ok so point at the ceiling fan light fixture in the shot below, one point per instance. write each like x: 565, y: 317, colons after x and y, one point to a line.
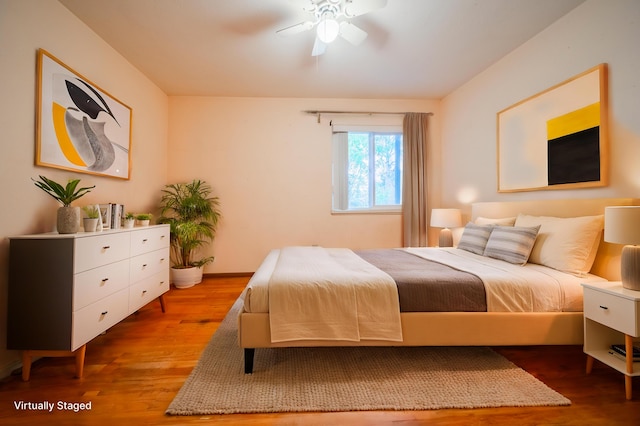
x: 328, y: 30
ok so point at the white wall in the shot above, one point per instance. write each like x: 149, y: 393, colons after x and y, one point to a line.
x: 596, y: 32
x: 25, y: 26
x: 270, y: 164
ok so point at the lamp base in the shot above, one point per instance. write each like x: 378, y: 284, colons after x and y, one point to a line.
x: 446, y: 239
x: 630, y: 267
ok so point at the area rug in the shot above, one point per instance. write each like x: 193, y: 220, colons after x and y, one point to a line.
x: 352, y: 379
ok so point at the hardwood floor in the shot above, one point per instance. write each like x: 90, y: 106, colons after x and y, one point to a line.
x: 133, y: 371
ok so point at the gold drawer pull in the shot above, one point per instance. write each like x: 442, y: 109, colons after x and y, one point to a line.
x: 603, y: 307
x: 106, y: 247
x: 104, y: 313
x: 104, y: 280
x: 144, y: 291
x: 144, y: 241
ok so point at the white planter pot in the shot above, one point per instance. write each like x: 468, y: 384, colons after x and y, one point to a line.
x: 186, y: 277
x: 90, y: 224
x: 128, y: 223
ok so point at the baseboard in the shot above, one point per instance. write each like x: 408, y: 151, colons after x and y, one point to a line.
x: 228, y: 275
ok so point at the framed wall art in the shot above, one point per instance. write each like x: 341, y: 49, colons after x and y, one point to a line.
x: 556, y: 139
x: 80, y: 127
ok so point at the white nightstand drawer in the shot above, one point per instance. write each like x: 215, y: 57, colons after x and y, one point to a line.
x: 97, y: 283
x: 147, y: 264
x: 148, y: 289
x: 98, y: 250
x: 610, y: 310
x: 149, y: 239
x: 92, y: 320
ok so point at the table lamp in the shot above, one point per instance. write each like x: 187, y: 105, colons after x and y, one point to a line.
x: 445, y: 218
x: 622, y: 226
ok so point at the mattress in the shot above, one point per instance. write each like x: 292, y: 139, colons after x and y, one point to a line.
x: 507, y: 287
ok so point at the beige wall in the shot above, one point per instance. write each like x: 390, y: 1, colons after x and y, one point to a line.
x: 270, y: 164
x: 596, y: 32
x: 25, y: 26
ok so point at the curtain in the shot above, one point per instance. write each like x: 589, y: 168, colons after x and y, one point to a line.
x: 414, y: 186
x: 340, y: 158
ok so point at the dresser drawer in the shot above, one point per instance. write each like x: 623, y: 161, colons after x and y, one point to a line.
x: 610, y: 310
x: 92, y: 320
x: 148, y: 264
x: 95, y: 284
x: 149, y: 239
x: 98, y: 250
x: 148, y: 289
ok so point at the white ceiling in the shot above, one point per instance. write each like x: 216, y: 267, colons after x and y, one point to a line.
x: 415, y: 48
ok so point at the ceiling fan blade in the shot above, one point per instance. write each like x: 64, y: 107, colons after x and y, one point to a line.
x: 295, y: 29
x: 318, y: 47
x: 360, y: 7
x: 351, y: 33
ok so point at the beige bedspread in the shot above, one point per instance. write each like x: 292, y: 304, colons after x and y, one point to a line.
x: 331, y: 294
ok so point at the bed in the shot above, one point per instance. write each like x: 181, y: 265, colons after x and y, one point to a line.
x: 554, y: 319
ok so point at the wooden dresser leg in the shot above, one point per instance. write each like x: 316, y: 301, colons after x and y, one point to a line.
x: 80, y: 353
x: 589, y: 364
x: 26, y: 365
x: 162, y: 303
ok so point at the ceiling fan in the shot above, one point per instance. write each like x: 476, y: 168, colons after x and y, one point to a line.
x: 332, y: 19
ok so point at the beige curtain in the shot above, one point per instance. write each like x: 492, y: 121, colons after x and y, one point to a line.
x: 414, y: 185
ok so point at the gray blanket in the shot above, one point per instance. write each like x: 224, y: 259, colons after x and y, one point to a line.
x: 426, y: 286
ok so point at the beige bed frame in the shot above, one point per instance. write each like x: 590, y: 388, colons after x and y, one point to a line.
x: 475, y: 328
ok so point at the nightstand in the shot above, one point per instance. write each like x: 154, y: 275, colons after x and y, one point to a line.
x: 611, y: 316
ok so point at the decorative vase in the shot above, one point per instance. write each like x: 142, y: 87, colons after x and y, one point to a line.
x: 90, y: 224
x: 186, y: 277
x: 128, y: 223
x: 68, y: 220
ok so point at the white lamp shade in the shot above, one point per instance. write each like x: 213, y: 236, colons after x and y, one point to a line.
x: 622, y: 225
x: 446, y: 218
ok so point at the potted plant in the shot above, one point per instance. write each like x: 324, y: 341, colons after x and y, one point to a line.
x: 91, y: 221
x: 143, y: 219
x: 68, y: 220
x: 128, y: 220
x: 193, y: 216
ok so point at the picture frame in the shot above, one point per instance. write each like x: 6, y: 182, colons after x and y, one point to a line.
x: 556, y: 139
x: 79, y: 126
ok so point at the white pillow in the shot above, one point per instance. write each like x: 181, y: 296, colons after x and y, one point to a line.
x: 504, y: 221
x: 512, y: 244
x: 568, y: 244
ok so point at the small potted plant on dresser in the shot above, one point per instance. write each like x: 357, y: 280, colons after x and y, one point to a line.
x: 90, y: 223
x: 143, y: 219
x: 193, y: 216
x: 128, y: 220
x: 68, y: 220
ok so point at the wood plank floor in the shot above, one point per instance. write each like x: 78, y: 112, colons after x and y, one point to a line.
x: 133, y: 371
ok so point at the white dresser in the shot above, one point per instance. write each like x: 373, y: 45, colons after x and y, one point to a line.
x: 65, y: 289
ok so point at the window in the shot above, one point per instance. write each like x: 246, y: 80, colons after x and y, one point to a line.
x: 367, y: 170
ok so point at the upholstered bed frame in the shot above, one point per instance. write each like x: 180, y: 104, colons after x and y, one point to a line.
x: 475, y: 328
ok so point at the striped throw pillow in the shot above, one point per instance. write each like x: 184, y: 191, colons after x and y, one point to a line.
x: 474, y: 238
x: 511, y: 244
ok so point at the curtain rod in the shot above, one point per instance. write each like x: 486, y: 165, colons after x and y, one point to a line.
x: 318, y: 113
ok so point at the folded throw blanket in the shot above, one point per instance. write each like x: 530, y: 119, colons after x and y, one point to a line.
x: 331, y: 294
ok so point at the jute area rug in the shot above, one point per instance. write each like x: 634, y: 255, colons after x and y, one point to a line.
x: 351, y: 379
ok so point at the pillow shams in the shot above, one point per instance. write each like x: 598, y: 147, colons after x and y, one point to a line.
x: 504, y: 221
x: 474, y: 238
x: 568, y: 244
x: 511, y: 244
